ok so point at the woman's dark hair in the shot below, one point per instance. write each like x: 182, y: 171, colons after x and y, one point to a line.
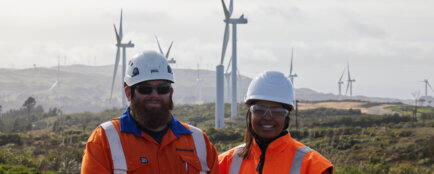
x: 249, y: 135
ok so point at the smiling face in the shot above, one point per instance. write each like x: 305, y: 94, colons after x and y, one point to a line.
x: 150, y: 108
x: 266, y: 126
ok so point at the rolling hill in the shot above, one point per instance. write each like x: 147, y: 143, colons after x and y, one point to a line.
x: 87, y: 88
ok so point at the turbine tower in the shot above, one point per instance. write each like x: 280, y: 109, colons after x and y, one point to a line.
x: 291, y: 76
x: 198, y: 87
x: 119, y: 44
x: 171, y: 61
x: 234, y: 21
x: 340, y: 82
x: 350, y: 82
x: 240, y: 83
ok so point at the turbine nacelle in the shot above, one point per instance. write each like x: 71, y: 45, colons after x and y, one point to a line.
x: 172, y: 60
x: 293, y: 75
x: 129, y: 44
x: 240, y: 20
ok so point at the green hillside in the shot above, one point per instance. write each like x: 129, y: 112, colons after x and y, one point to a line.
x: 33, y: 140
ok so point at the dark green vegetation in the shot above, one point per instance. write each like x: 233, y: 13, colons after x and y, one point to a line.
x: 36, y: 141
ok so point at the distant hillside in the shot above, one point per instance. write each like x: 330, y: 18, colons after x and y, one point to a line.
x: 87, y: 88
x: 311, y: 95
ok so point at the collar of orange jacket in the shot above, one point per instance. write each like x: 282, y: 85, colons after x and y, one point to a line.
x: 276, y: 146
x: 128, y: 125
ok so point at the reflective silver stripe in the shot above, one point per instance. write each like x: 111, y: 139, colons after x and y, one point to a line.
x: 117, y: 152
x: 199, y: 143
x: 236, y: 161
x: 298, y: 159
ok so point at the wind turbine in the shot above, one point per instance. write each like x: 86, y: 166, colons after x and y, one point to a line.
x: 350, y: 82
x: 172, y: 61
x: 426, y: 87
x: 234, y: 21
x: 219, y: 103
x: 340, y: 82
x: 198, y: 86
x: 56, y: 83
x: 119, y: 44
x: 291, y: 76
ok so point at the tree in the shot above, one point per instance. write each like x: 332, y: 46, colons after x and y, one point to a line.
x: 1, y: 125
x: 29, y: 104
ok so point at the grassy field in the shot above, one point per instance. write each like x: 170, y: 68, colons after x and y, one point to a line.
x: 354, y: 140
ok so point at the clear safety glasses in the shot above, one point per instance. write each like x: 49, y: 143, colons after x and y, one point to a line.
x: 261, y: 111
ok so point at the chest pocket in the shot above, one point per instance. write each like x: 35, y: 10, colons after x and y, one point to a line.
x: 194, y: 157
x: 189, y: 163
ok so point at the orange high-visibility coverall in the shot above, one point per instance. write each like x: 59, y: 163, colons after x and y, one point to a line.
x: 143, y: 154
x: 278, y: 158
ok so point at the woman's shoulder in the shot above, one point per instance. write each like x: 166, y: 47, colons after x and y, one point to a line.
x: 229, y: 153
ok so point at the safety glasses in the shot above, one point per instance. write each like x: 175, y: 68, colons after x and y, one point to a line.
x: 261, y: 111
x: 147, y: 89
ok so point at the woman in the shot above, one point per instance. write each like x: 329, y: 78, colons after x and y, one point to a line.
x: 268, y: 146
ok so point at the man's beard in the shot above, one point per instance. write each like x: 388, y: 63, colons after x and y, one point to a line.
x: 150, y: 117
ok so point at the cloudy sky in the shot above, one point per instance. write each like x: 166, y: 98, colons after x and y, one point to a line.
x: 389, y: 44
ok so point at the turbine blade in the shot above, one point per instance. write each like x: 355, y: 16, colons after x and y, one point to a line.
x: 225, y: 9
x: 229, y: 65
x: 231, y: 8
x: 159, y: 47
x: 53, y: 85
x: 117, y: 36
x: 239, y: 75
x: 429, y: 86
x: 168, y: 51
x: 115, y: 70
x: 225, y: 42
x: 348, y: 85
x: 120, y: 28
x: 340, y: 79
x: 349, y: 76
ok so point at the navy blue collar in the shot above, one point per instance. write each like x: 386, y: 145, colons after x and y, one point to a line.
x: 128, y: 125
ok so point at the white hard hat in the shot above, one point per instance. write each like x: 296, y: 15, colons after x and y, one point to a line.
x: 148, y: 66
x: 271, y: 86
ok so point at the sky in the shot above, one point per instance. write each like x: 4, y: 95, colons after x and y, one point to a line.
x: 388, y: 44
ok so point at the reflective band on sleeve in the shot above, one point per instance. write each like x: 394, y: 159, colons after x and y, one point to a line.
x: 298, y: 159
x: 236, y: 161
x: 117, y: 152
x: 199, y: 143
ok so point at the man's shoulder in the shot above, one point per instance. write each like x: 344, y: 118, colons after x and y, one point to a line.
x: 99, y: 132
x: 115, y: 121
x: 189, y: 126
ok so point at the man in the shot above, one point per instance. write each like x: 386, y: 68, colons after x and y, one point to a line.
x: 147, y: 138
